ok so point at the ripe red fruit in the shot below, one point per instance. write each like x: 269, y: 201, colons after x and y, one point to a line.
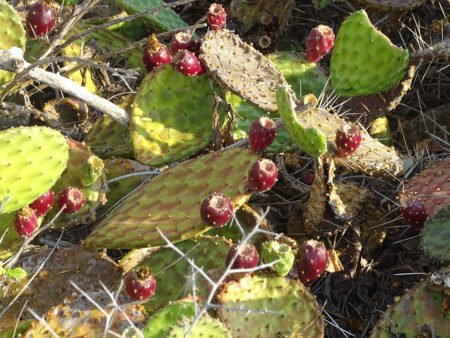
x: 25, y: 221
x: 216, y: 210
x: 140, y: 285
x: 43, y: 203
x: 269, y: 22
x: 308, y: 178
x: 183, y: 40
x: 348, y: 139
x: 414, y: 212
x: 72, y: 198
x: 187, y: 63
x: 155, y: 55
x: 262, y: 175
x: 262, y: 133
x: 247, y: 258
x: 312, y: 258
x: 40, y: 20
x: 320, y: 40
x: 216, y: 16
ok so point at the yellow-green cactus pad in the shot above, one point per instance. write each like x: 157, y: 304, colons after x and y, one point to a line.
x: 295, y: 312
x: 364, y: 60
x: 12, y: 34
x: 171, y: 116
x: 205, y: 327
x: 171, y: 201
x: 31, y: 160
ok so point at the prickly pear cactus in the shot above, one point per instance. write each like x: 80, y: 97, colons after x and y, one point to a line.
x: 309, y: 139
x: 436, y: 236
x: 12, y: 34
x: 364, y: 60
x: 205, y: 327
x: 431, y: 186
x: 380, y: 130
x: 272, y: 251
x: 297, y: 312
x: 171, y: 117
x: 417, y: 307
x: 78, y: 168
x: 392, y: 5
x: 171, y: 272
x: 79, y: 317
x: 52, y: 285
x: 12, y: 240
x: 27, y: 153
x: 171, y: 201
x: 241, y: 69
x: 160, y: 322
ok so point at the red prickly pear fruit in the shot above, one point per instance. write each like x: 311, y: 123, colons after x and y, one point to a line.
x: 348, y: 139
x: 25, y: 221
x: 216, y: 16
x: 312, y: 259
x: 262, y: 133
x: 187, y: 63
x: 72, y: 198
x: 308, y: 178
x: 247, y: 258
x: 414, y: 212
x: 43, y: 203
x: 269, y: 22
x: 41, y: 18
x: 320, y: 40
x: 262, y: 175
x: 216, y: 210
x: 183, y: 40
x: 140, y: 284
x: 155, y: 55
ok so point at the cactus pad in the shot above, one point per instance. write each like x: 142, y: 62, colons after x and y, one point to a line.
x: 299, y: 314
x: 172, y: 273
x: 436, y: 236
x: 364, y: 61
x: 241, y: 69
x: 31, y: 160
x: 12, y: 34
x: 417, y: 307
x: 205, y: 327
x: 171, y: 201
x: 171, y: 117
x: 12, y: 240
x: 309, y: 139
x: 392, y: 5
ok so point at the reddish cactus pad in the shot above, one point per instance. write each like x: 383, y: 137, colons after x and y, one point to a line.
x: 72, y: 198
x: 348, y: 139
x: 43, y: 204
x: 312, y: 258
x: 216, y: 210
x: 262, y: 175
x: 414, y: 212
x: 155, y: 55
x: 183, y: 40
x: 247, y: 257
x: 40, y: 20
x: 320, y: 40
x: 187, y: 63
x: 216, y: 16
x: 140, y: 285
x: 262, y: 133
x: 25, y: 221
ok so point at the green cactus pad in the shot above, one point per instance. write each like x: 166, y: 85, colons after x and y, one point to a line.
x: 417, y: 307
x: 171, y: 201
x: 436, y: 236
x: 364, y: 61
x: 298, y: 312
x: 309, y: 139
x: 164, y: 20
x: 171, y: 117
x: 94, y: 193
x: 159, y: 324
x: 172, y: 273
x: 31, y: 160
x: 205, y: 327
x: 12, y: 241
x: 390, y: 5
x: 12, y: 34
